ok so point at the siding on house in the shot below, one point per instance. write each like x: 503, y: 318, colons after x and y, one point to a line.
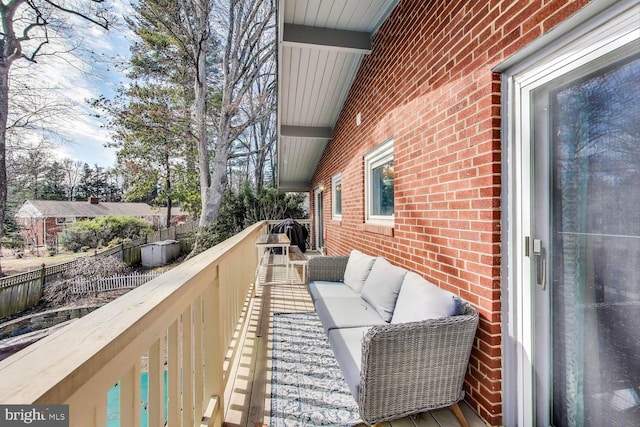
x: 429, y: 85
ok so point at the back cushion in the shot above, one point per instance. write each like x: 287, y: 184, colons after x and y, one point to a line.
x: 357, y: 270
x: 382, y: 287
x: 420, y: 300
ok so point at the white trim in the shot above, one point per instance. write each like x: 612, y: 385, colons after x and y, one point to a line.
x: 335, y: 181
x: 317, y: 217
x: 564, y: 55
x: 376, y: 157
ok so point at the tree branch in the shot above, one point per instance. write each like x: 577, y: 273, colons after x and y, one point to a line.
x: 103, y: 22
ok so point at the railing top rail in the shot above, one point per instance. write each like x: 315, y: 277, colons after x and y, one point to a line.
x: 278, y: 221
x: 61, y: 366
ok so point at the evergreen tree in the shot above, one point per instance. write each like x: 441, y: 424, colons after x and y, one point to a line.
x: 53, y: 187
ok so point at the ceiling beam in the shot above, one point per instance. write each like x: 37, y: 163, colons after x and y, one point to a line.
x: 327, y: 38
x: 294, y: 186
x: 307, y: 132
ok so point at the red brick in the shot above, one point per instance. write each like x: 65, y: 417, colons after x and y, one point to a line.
x: 428, y: 83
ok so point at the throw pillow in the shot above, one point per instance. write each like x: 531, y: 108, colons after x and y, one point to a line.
x: 382, y: 286
x: 357, y: 270
x: 420, y: 300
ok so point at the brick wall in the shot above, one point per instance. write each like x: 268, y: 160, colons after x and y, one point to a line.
x: 428, y: 84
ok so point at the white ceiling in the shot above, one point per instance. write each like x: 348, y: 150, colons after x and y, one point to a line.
x: 320, y: 46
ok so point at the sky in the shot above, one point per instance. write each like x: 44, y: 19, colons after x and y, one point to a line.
x: 77, y: 81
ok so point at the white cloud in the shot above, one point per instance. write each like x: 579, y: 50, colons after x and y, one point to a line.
x: 78, y: 80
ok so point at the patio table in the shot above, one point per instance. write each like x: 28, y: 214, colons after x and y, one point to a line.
x: 265, y: 242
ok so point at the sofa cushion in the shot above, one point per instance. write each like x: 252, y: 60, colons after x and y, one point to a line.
x: 346, y: 312
x: 321, y: 289
x: 382, y: 286
x: 357, y: 270
x: 347, y: 347
x: 420, y: 300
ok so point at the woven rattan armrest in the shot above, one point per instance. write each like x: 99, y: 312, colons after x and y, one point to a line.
x: 415, y: 367
x: 327, y: 268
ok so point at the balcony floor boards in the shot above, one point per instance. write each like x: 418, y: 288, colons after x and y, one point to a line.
x: 248, y: 391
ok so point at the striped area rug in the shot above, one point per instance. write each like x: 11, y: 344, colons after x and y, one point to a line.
x: 307, y: 385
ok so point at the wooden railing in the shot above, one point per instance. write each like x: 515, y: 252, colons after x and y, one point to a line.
x: 181, y: 322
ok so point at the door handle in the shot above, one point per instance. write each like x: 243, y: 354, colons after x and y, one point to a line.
x: 541, y: 263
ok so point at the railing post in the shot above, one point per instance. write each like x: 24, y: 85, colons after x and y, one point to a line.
x: 156, y: 382
x: 188, y: 418
x: 43, y: 276
x: 214, y: 358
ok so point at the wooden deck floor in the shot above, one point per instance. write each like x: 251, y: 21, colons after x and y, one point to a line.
x: 248, y: 392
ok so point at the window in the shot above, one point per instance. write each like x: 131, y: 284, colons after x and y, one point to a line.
x: 378, y: 166
x: 64, y: 220
x: 336, y: 196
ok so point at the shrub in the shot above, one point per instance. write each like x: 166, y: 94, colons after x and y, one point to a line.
x: 100, y: 231
x: 238, y: 211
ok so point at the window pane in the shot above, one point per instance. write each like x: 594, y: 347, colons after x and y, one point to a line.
x: 338, y: 198
x: 596, y: 248
x: 382, y: 189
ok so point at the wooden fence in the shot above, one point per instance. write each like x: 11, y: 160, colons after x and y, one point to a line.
x: 173, y: 233
x: 102, y: 284
x: 22, y: 291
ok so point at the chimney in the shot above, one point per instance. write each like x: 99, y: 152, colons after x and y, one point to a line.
x: 94, y: 200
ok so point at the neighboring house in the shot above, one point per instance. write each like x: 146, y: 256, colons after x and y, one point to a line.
x: 40, y: 221
x: 494, y: 148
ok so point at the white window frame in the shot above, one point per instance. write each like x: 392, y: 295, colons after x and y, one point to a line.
x: 335, y: 181
x: 376, y: 157
x: 61, y: 220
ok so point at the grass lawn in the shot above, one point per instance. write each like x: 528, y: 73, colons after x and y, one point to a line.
x: 12, y: 265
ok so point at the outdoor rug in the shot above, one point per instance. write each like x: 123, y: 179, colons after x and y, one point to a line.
x: 307, y: 385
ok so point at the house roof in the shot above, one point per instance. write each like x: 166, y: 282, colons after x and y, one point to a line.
x: 320, y: 47
x: 56, y: 208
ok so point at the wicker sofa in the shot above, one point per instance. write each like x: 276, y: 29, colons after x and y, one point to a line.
x: 402, y: 343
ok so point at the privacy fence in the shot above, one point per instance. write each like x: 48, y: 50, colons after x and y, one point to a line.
x: 22, y: 291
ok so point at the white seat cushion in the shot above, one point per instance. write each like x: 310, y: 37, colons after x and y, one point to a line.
x: 420, y: 300
x: 382, y: 287
x: 357, y: 270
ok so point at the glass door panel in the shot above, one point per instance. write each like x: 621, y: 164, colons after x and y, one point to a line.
x: 587, y: 161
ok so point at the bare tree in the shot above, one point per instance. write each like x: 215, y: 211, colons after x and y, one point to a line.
x: 246, y: 29
x: 249, y: 43
x: 73, y: 174
x: 251, y: 151
x: 33, y: 109
x: 27, y: 27
x: 188, y: 22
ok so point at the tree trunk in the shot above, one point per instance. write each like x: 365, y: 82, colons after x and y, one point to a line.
x: 168, y: 190
x: 218, y: 174
x: 4, y: 113
x: 200, y: 87
x: 203, y: 149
